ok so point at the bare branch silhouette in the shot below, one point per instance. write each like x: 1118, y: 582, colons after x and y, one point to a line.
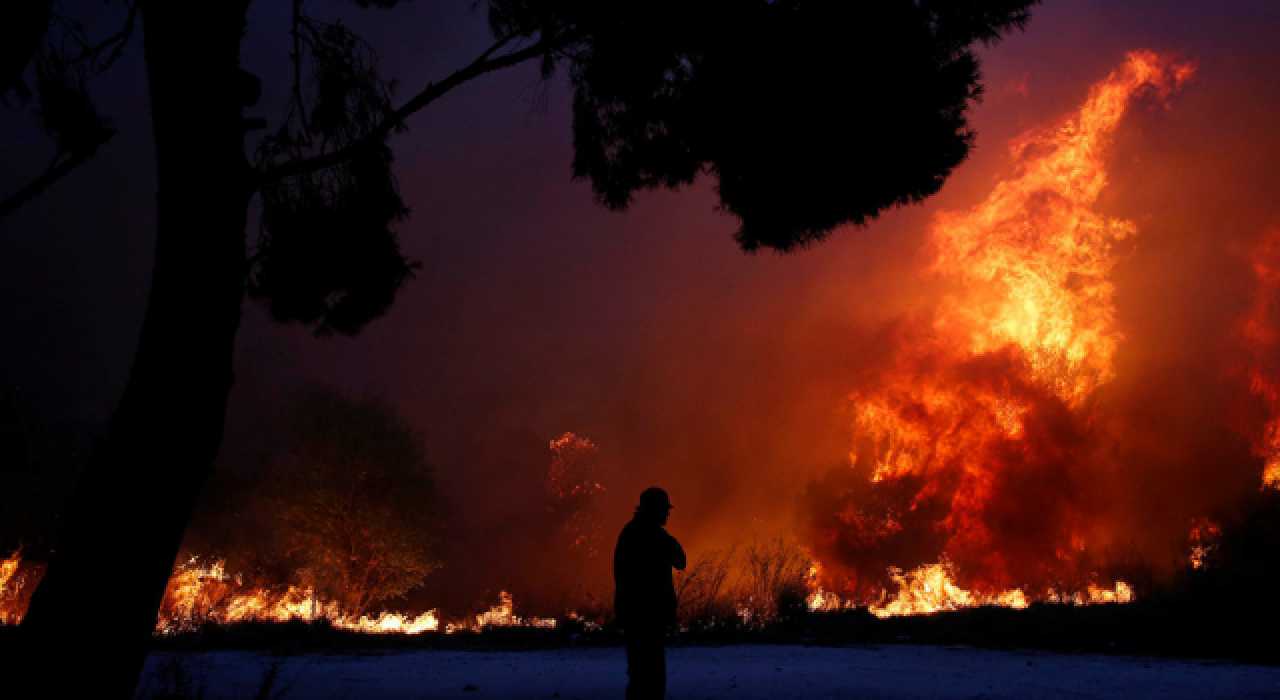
x: 58, y: 170
x: 483, y: 64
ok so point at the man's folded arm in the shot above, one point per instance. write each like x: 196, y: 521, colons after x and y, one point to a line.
x: 677, y: 553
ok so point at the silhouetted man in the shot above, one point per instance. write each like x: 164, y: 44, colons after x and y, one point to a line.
x: 645, y: 597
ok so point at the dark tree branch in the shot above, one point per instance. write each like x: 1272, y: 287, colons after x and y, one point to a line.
x: 119, y: 40
x: 73, y: 31
x: 483, y: 64
x: 93, y: 56
x: 56, y: 172
x: 93, y: 52
x: 497, y: 46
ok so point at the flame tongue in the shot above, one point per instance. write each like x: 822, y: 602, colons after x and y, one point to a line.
x: 1036, y: 257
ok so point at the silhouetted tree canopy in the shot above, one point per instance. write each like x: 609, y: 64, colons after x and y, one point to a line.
x: 808, y: 114
x: 60, y: 62
x: 327, y: 256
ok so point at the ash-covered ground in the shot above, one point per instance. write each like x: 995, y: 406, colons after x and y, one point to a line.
x: 696, y: 673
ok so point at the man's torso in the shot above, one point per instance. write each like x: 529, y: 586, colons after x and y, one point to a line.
x: 645, y: 591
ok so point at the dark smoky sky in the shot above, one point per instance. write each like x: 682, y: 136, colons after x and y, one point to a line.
x: 690, y: 364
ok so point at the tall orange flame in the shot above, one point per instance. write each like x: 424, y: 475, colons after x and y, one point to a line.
x: 996, y: 387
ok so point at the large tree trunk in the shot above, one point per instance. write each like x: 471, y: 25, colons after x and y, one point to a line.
x: 89, y: 624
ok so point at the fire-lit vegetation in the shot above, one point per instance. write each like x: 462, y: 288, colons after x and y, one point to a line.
x: 203, y: 594
x: 574, y: 487
x: 750, y: 584
x: 767, y: 580
x: 769, y: 589
x: 199, y: 596
x: 353, y: 499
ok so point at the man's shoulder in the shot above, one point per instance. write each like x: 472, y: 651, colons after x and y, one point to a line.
x: 637, y: 531
x: 630, y: 532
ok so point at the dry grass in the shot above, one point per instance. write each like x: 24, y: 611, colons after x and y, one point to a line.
x: 753, y: 583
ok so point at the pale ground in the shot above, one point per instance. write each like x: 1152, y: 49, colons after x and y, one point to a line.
x: 735, y: 672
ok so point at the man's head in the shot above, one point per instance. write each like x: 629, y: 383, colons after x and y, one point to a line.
x: 655, y: 504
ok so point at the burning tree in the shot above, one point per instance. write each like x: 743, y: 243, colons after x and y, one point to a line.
x: 575, y: 489
x: 354, y: 497
x: 975, y: 434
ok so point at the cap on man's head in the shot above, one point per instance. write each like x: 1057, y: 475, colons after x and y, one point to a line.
x: 654, y: 498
